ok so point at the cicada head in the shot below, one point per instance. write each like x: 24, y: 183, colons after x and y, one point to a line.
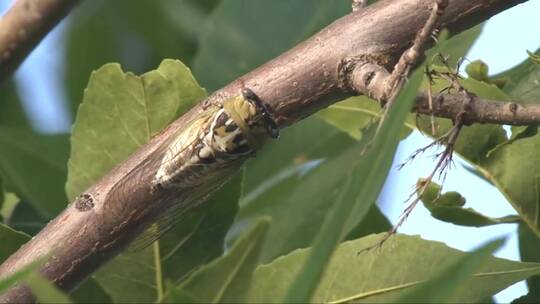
x: 260, y: 114
x: 251, y: 116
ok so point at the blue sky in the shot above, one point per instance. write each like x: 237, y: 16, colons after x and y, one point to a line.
x: 503, y: 43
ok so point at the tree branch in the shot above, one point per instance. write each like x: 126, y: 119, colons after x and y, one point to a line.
x: 479, y: 110
x: 294, y: 85
x: 23, y: 26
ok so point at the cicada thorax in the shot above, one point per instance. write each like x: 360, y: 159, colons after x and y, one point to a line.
x: 221, y: 139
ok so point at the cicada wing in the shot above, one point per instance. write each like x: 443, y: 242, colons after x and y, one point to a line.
x: 182, y: 206
x: 173, y: 207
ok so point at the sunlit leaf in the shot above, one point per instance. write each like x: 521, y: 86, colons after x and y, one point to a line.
x: 386, y: 274
x: 443, y: 287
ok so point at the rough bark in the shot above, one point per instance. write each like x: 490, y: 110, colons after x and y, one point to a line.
x: 295, y: 85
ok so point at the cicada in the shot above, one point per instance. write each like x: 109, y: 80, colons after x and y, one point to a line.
x: 215, y: 140
x: 199, y: 159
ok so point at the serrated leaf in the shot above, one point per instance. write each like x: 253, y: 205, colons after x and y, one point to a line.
x: 366, y: 176
x: 120, y: 112
x: 382, y: 276
x: 33, y: 166
x: 442, y: 287
x: 522, y: 81
x: 227, y: 278
x: 237, y: 37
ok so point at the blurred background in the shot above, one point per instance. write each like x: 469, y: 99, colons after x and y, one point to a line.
x: 48, y: 87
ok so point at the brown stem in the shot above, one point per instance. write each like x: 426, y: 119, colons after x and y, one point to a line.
x: 303, y: 80
x: 480, y: 111
x: 23, y: 26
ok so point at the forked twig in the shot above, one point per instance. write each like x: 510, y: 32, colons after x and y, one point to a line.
x: 444, y: 158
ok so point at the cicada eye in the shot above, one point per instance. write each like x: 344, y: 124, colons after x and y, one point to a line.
x: 250, y: 95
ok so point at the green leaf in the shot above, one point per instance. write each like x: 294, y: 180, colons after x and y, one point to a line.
x: 237, y: 37
x: 20, y: 275
x: 529, y: 249
x: 119, y: 113
x: 448, y: 207
x: 442, y: 288
x: 133, y: 276
x: 373, y: 222
x: 8, y: 202
x: 384, y: 275
x: 352, y: 115
x: 137, y: 34
x: 90, y: 292
x: 522, y: 80
x: 11, y: 240
x: 11, y: 110
x: 298, y: 174
x: 176, y: 295
x: 227, y: 278
x: 200, y: 238
x: 24, y: 217
x: 45, y: 291
x: 33, y: 166
x: 8, y: 206
x: 366, y: 176
x: 478, y: 70
x: 306, y: 141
